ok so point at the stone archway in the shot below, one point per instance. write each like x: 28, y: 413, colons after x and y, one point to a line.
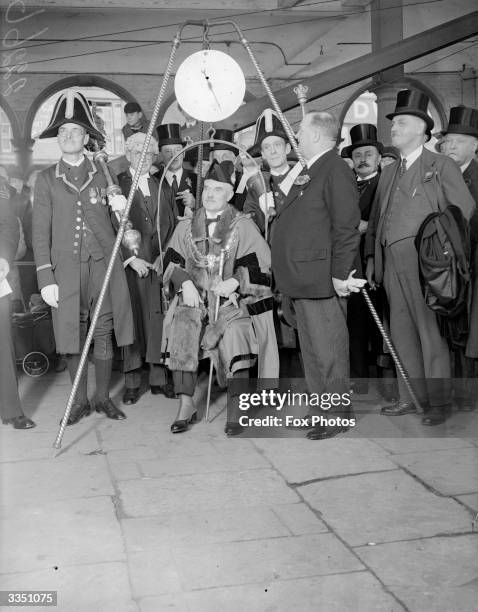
x: 11, y: 155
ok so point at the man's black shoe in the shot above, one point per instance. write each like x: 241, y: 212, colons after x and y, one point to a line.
x: 167, y: 390
x: 436, y: 416
x: 399, y: 409
x: 322, y: 433
x: 20, y: 422
x: 130, y: 396
x: 78, y: 411
x: 233, y: 429
x: 111, y: 411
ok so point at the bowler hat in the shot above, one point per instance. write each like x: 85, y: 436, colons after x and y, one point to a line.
x: 132, y: 107
x: 71, y: 107
x: 362, y: 135
x: 463, y: 120
x: 413, y: 102
x: 169, y: 133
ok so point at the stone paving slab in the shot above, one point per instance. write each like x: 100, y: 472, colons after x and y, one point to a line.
x: 216, y: 525
x: 153, y: 573
x: 439, y: 574
x: 40, y: 535
x: 384, y: 507
x: 398, y: 446
x: 300, y: 519
x: 357, y: 592
x: 301, y: 460
x: 171, y: 494
x: 102, y: 587
x: 231, y: 563
x: 19, y: 445
x: 450, y: 472
x: 471, y: 500
x: 65, y: 477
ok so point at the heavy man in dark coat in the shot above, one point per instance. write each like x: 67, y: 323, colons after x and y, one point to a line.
x: 408, y: 191
x: 142, y: 273
x: 314, y: 243
x: 10, y: 407
x: 460, y: 143
x: 73, y: 238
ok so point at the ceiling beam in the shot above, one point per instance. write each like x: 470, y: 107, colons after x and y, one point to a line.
x: 362, y: 67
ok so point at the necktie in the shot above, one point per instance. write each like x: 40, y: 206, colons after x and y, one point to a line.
x: 403, y: 167
x: 174, y: 186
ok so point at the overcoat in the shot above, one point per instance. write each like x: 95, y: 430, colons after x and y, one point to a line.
x: 58, y: 204
x: 470, y: 177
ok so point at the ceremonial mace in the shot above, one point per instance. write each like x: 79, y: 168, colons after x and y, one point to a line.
x: 222, y: 259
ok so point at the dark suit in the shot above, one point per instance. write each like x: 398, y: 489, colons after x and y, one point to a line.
x: 188, y: 182
x: 10, y: 406
x: 146, y: 292
x: 401, y: 204
x: 314, y: 237
x: 471, y: 179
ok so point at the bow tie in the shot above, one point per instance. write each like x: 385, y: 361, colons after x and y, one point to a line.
x: 215, y: 220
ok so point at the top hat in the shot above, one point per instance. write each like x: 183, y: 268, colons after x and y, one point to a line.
x: 132, y: 107
x: 223, y: 134
x: 221, y: 172
x: 169, y: 133
x: 463, y: 120
x: 268, y: 124
x: 71, y: 107
x: 413, y: 102
x: 362, y: 135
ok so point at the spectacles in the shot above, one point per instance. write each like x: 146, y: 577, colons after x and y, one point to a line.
x: 72, y: 132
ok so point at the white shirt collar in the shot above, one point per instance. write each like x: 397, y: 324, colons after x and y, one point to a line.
x: 143, y: 184
x: 413, y: 156
x: 275, y: 173
x: 366, y: 178
x: 465, y: 166
x: 75, y: 164
x: 312, y: 160
x: 178, y: 174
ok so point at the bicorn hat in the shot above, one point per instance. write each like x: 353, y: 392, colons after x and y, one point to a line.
x: 169, y: 134
x: 71, y: 107
x: 223, y: 134
x: 268, y: 124
x: 413, y: 102
x: 362, y: 135
x: 463, y: 120
x: 221, y: 172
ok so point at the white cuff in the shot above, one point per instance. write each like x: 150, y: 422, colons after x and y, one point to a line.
x: 128, y: 261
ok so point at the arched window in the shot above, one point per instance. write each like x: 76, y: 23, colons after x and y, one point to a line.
x: 107, y: 105
x: 7, y: 154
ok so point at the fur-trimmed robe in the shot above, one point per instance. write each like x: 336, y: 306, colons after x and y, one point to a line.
x: 248, y: 331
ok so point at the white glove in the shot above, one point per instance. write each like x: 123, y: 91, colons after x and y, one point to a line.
x: 343, y: 288
x: 117, y: 202
x: 266, y: 202
x: 50, y: 295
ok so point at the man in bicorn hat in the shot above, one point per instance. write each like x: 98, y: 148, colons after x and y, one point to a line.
x: 142, y: 272
x: 179, y: 184
x: 408, y: 191
x: 460, y: 143
x: 222, y: 152
x: 135, y: 120
x: 270, y: 143
x: 314, y: 243
x: 244, y: 331
x: 73, y: 238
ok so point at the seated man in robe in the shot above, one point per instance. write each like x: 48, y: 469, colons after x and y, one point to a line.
x: 244, y: 331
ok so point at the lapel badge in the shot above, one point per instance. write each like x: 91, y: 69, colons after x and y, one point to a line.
x: 428, y: 176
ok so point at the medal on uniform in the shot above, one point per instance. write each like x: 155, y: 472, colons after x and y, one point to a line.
x: 103, y: 195
x: 93, y: 195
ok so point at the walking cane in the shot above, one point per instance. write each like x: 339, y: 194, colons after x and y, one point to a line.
x: 222, y: 258
x: 391, y: 348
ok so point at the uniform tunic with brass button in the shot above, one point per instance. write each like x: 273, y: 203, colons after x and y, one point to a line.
x: 72, y: 241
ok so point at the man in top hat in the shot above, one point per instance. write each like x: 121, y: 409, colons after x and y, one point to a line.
x: 365, y: 152
x: 270, y: 143
x: 460, y: 143
x: 244, y: 331
x: 135, y: 120
x: 408, y: 191
x: 314, y: 243
x: 142, y: 272
x: 223, y: 152
x: 73, y: 238
x: 179, y: 185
